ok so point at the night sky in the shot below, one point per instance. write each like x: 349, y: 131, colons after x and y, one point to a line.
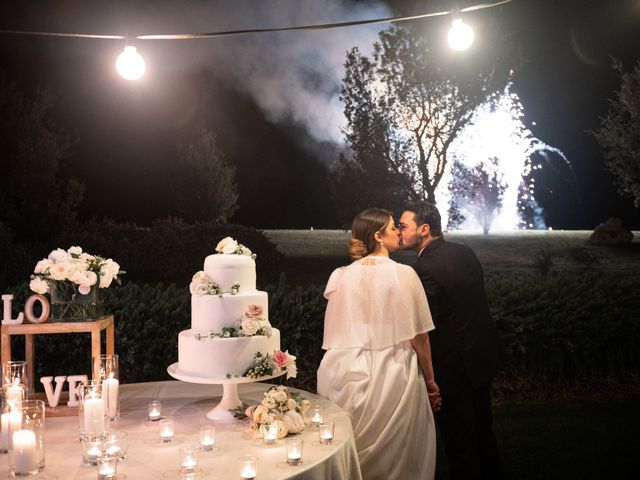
x: 271, y: 98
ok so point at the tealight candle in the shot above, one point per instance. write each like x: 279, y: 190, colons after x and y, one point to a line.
x: 316, y: 416
x: 270, y: 435
x: 207, y: 437
x: 25, y: 458
x: 188, y: 458
x: 326, y: 432
x: 116, y: 444
x: 154, y: 408
x: 294, y: 451
x: 166, y: 430
x: 91, y: 451
x: 248, y: 467
x: 107, y: 466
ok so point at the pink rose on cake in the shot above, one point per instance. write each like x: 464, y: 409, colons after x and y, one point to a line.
x: 254, y: 311
x: 286, y: 361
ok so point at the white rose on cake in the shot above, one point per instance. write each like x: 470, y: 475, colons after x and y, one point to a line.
x: 227, y: 246
x: 250, y: 327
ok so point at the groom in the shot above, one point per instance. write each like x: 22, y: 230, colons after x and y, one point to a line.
x: 466, y: 349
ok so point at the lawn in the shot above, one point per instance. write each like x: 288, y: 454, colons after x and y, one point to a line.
x: 569, y: 431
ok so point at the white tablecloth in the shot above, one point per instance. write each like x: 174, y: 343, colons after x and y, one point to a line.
x: 187, y: 404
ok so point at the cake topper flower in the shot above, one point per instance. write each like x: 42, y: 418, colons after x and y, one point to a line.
x: 229, y: 246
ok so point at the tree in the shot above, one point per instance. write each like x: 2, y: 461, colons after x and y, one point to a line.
x: 403, y: 111
x: 37, y: 200
x: 205, y: 186
x: 475, y: 192
x: 619, y: 133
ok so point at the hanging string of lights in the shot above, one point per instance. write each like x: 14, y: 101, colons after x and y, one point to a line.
x: 130, y: 63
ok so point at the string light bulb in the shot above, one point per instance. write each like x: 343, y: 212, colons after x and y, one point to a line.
x: 130, y: 64
x: 460, y: 35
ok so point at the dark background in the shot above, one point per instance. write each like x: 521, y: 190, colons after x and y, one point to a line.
x: 127, y: 132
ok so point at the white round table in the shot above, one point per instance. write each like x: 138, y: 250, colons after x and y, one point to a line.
x: 187, y: 404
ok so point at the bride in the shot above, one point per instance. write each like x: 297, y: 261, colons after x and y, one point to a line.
x: 377, y: 364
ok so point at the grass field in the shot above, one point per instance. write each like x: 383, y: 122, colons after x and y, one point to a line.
x: 313, y: 254
x: 578, y: 431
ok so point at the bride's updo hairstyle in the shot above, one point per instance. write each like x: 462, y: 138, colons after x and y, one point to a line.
x: 363, y: 229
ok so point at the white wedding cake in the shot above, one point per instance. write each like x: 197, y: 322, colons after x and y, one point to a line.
x: 229, y: 318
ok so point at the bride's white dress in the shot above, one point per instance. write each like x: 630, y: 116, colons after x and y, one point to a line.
x: 376, y: 306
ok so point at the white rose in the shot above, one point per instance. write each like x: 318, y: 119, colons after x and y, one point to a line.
x: 283, y: 431
x: 292, y: 404
x: 269, y: 402
x: 293, y: 421
x: 58, y: 271
x: 224, y: 245
x: 230, y: 248
x: 74, y: 251
x: 42, y: 265
x: 58, y: 255
x: 86, y: 257
x: 110, y: 266
x: 292, y: 370
x: 260, y: 414
x: 246, y: 251
x: 86, y: 279
x: 38, y: 285
x: 198, y: 276
x: 268, y: 331
x: 105, y: 279
x: 250, y: 326
x: 202, y: 289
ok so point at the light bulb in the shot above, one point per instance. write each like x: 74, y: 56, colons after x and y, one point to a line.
x: 130, y: 64
x: 460, y: 35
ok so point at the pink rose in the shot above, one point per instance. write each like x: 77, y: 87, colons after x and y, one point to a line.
x: 281, y: 359
x: 254, y: 310
x: 249, y: 411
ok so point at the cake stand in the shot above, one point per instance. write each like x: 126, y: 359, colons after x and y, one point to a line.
x: 230, y: 398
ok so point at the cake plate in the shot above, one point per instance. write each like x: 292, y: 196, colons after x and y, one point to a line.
x: 230, y: 398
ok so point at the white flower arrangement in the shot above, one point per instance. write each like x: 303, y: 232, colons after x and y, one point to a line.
x: 250, y: 324
x: 266, y: 365
x: 74, y: 269
x: 202, y: 284
x: 280, y: 406
x: 229, y: 246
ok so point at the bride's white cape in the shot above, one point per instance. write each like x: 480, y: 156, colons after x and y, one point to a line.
x: 376, y: 306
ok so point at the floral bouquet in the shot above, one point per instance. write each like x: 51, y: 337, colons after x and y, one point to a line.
x: 229, y: 246
x: 250, y: 324
x: 266, y: 365
x: 280, y: 406
x: 72, y: 277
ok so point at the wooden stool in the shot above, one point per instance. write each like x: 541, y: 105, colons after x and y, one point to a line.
x: 31, y: 329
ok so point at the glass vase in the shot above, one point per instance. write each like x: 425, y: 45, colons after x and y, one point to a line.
x: 68, y: 304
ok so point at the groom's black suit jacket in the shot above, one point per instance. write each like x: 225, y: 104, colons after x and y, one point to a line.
x: 465, y: 345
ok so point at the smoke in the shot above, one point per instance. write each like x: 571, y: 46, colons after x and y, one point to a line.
x: 293, y: 76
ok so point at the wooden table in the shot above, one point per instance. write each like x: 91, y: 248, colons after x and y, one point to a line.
x: 31, y: 329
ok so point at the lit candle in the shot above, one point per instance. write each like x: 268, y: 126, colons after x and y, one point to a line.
x: 14, y: 394
x: 106, y: 472
x: 24, y: 452
x: 10, y: 420
x: 316, y: 418
x: 294, y: 456
x: 110, y: 387
x: 92, y: 454
x: 93, y: 416
x: 207, y: 437
x: 270, y: 435
x: 154, y: 409
x: 326, y: 438
x: 248, y: 472
x: 326, y: 432
x: 166, y: 430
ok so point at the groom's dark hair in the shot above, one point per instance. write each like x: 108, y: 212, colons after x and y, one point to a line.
x: 427, y: 213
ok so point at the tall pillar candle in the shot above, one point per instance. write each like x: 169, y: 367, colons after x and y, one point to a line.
x: 93, y: 417
x: 110, y: 388
x: 24, y: 455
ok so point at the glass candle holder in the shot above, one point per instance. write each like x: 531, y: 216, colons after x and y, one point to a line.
x: 316, y: 415
x: 325, y: 431
x: 91, y: 450
x: 115, y: 443
x: 294, y: 450
x: 14, y: 372
x: 26, y: 446
x: 270, y: 433
x: 106, y: 370
x: 93, y: 422
x: 107, y: 467
x: 207, y: 437
x: 189, y: 458
x: 166, y: 430
x: 248, y: 467
x: 10, y: 420
x: 154, y: 410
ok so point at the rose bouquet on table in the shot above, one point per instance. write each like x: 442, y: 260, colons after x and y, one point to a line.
x: 72, y: 274
x: 280, y: 406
